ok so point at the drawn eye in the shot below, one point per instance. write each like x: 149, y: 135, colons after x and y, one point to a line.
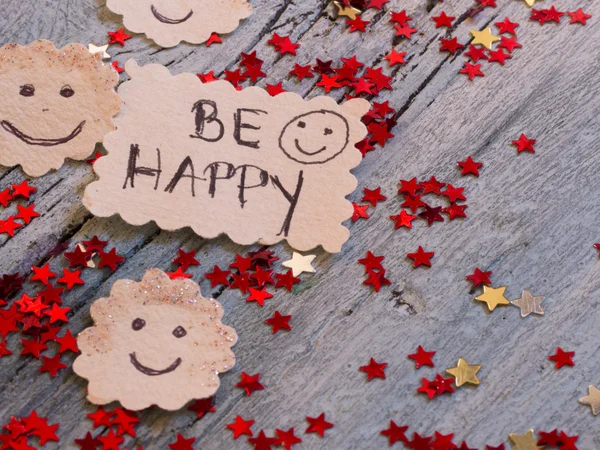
x: 66, y: 91
x: 179, y: 332
x: 138, y: 324
x: 327, y: 131
x: 27, y: 90
x: 301, y: 124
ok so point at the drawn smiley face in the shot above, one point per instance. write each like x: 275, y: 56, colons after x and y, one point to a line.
x: 315, y: 137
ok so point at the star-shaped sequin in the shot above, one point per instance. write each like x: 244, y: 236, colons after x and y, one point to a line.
x: 562, y: 358
x: 524, y: 144
x: 422, y: 357
x: 250, y: 383
x: 240, y: 427
x: 493, y: 297
x: 300, y: 263
x: 421, y: 257
x: 374, y: 369
x: 592, y: 399
x: 395, y: 433
x: 279, y: 322
x: 318, y: 425
x: 464, y: 373
x: 118, y: 37
x: 529, y: 304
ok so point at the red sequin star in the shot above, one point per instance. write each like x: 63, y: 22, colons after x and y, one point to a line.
x: 110, y: 259
x: 262, y: 442
x: 432, y: 214
x: 42, y: 274
x: 377, y: 279
x: 26, y: 213
x: 240, y: 427
x: 38, y: 426
x: 422, y: 358
x: 218, y: 276
x: 101, y: 418
x: 119, y: 69
x: 22, y: 190
x: 286, y: 280
x: 329, y: 82
x: 202, y: 407
x: 213, y: 39
x: 5, y: 197
x: 182, y: 443
x: 240, y: 282
x: 373, y: 196
x: 301, y: 72
x: 250, y: 383
x: 443, y: 384
x: 377, y: 3
x: 509, y: 43
x: 275, y: 89
x: 179, y: 273
x: 549, y: 438
x: 450, y: 45
x: 241, y: 263
x: 52, y: 365
x: 478, y: 277
x: 318, y: 425
x: 404, y: 31
x: 568, y: 442
x: 360, y: 212
x: 50, y: 334
x: 51, y: 294
x: 419, y: 443
x: 125, y: 421
x: 186, y: 259
x: 524, y: 144
x: 395, y: 433
x: 506, y: 26
x: 476, y: 53
x: 432, y: 185
x: 70, y: 278
x: 410, y: 187
x: 255, y: 72
x: 57, y: 313
x: 207, y: 77
x: 464, y: 446
x: 88, y: 443
x: 472, y: 70
x: 443, y: 20
x: 118, y: 36
x: 235, y: 77
x: 9, y: 226
x: 371, y: 262
x: 454, y: 193
x: 552, y: 15
x: 67, y: 343
x: 421, y: 257
x: 403, y: 220
x: 94, y: 244
x: 468, y: 166
x: 412, y: 203
x: 395, y: 57
x: 287, y: 438
x: 401, y: 18
x: 443, y: 441
x: 579, y: 17
x: 562, y: 358
x: 374, y: 369
x: 32, y: 347
x: 455, y: 211
x: 111, y: 441
x: 279, y: 322
x: 259, y: 296
x: 283, y: 44
x: 499, y: 56
x: 78, y: 257
x: 487, y: 3
x: 379, y: 133
x: 357, y: 24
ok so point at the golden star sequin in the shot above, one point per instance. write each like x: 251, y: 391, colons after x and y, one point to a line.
x: 485, y: 38
x: 93, y: 49
x: 464, y: 373
x: 347, y: 11
x: 530, y: 3
x: 592, y: 399
x: 529, y: 304
x: 493, y: 297
x: 524, y: 441
x: 300, y: 263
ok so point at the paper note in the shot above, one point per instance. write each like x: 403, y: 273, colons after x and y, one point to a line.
x: 55, y: 104
x: 258, y: 168
x: 154, y: 342
x: 168, y: 22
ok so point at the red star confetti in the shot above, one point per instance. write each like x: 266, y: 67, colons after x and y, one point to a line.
x: 476, y: 53
x: 262, y: 277
x: 432, y: 186
x: 94, y: 244
x: 262, y: 442
x: 552, y: 15
x: 479, y: 278
x: 32, y: 347
x: 360, y: 212
x: 509, y: 43
x: 241, y: 263
x: 207, y: 77
x: 419, y: 443
x: 286, y: 280
x: 506, y: 26
x: 67, y: 343
x: 52, y: 365
x: 202, y: 407
x: 318, y: 425
x: 377, y: 279
x: 454, y: 193
x: 455, y: 211
x: 240, y: 427
x: 125, y: 422
x: 410, y: 187
x: 443, y: 20
x: 371, y: 262
x: 250, y: 383
x: 9, y: 226
x: 395, y: 57
x: 421, y: 257
x: 186, y: 259
x: 42, y: 274
x: 401, y: 18
x: 405, y: 31
x: 395, y: 433
x: 5, y: 197
x: 403, y: 219
x: 357, y: 24
x: 101, y: 418
x: 179, y: 273
x: 550, y: 438
x: 562, y: 358
x: 275, y: 89
x: 472, y: 70
x: 70, y: 278
x: 279, y: 322
x: 450, y: 45
x: 57, y: 313
x: 213, y: 39
x: 259, y: 295
x: 218, y: 276
x: 329, y: 82
x: 119, y: 69
x: 524, y: 144
x: 377, y: 3
x: 373, y: 196
x: 111, y: 441
x: 487, y: 3
x: 442, y: 441
x: 182, y: 443
x: 283, y: 44
x: 412, y: 203
x: 499, y: 56
x: 51, y: 294
x: 287, y: 438
x: 110, y: 259
x: 240, y: 282
x: 255, y: 72
x: 78, y: 257
x: 579, y: 16
x: 235, y: 77
x: 118, y: 37
x: 26, y: 213
x: 374, y: 369
x: 22, y: 190
x: 432, y: 214
x: 301, y: 72
x: 469, y: 167
x: 88, y: 443
x: 422, y: 358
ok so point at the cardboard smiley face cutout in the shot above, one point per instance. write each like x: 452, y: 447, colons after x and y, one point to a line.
x: 168, y: 22
x: 156, y: 342
x: 258, y: 168
x: 55, y: 104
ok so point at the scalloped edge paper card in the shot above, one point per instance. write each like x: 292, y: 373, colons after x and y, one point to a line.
x: 154, y: 342
x: 258, y: 168
x: 168, y: 22
x: 55, y: 104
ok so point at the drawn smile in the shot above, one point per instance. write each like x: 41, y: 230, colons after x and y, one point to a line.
x: 37, y: 141
x: 301, y: 150
x: 167, y: 20
x: 152, y: 372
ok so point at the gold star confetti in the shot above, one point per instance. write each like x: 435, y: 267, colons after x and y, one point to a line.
x: 485, y: 38
x: 529, y: 304
x: 464, y: 373
x: 493, y: 297
x: 300, y: 263
x: 93, y: 49
x: 530, y: 3
x: 524, y: 441
x: 592, y: 399
x: 347, y: 11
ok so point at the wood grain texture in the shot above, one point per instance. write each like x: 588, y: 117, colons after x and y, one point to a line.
x: 532, y: 220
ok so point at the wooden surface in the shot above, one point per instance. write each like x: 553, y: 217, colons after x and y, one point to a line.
x: 532, y: 220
